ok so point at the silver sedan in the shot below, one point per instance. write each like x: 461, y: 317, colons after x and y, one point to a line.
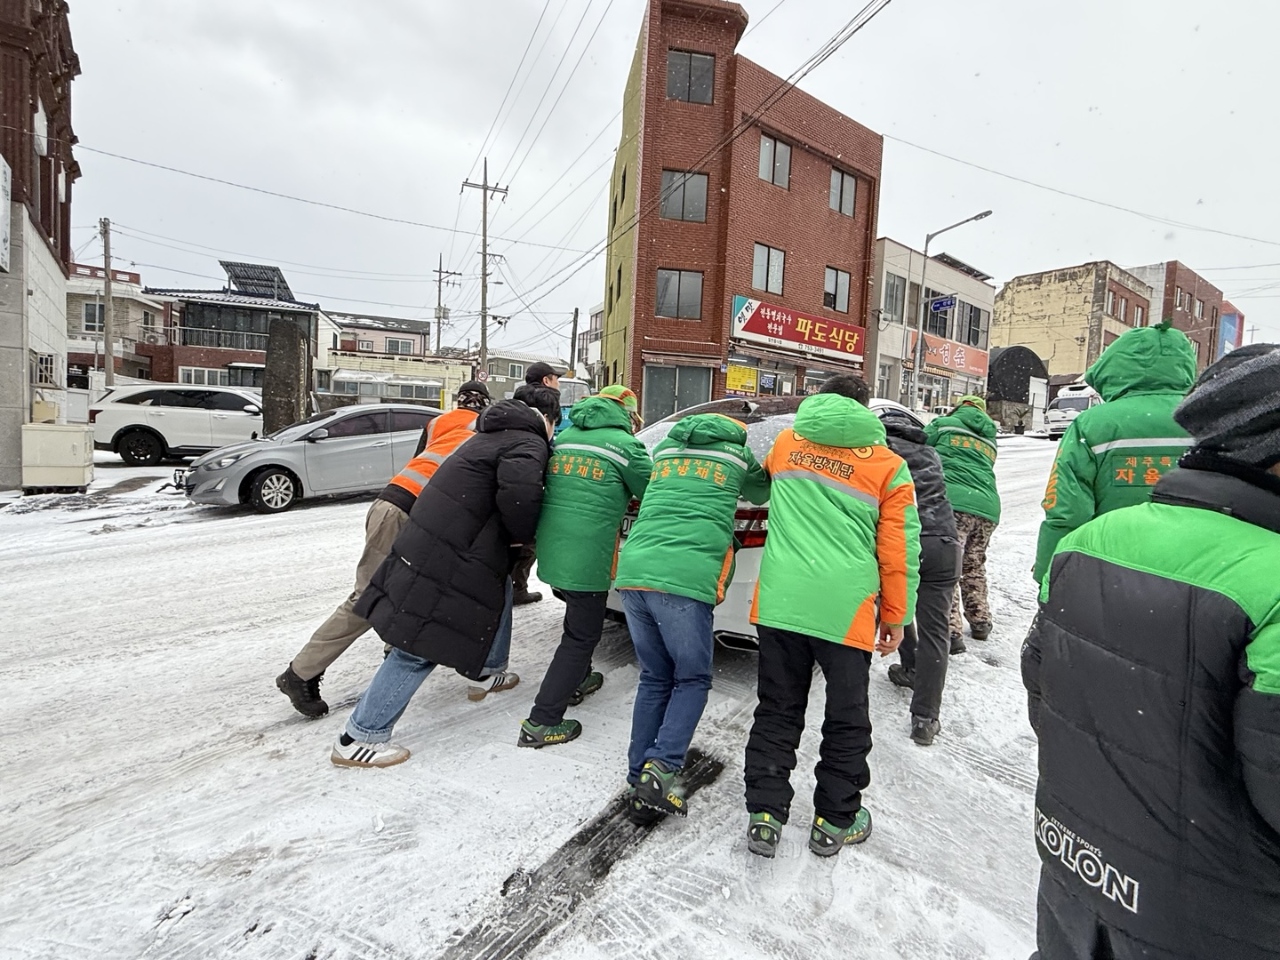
x: 355, y: 449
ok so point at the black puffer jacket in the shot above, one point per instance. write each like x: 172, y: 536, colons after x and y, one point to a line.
x: 439, y: 594
x: 1155, y: 692
x: 910, y: 443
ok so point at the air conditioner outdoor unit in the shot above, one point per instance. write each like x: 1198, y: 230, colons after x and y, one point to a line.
x: 153, y: 338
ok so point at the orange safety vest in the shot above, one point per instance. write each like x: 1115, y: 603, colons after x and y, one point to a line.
x: 445, y: 434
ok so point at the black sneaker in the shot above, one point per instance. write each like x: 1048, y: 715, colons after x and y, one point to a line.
x: 660, y: 789
x: 923, y: 731
x: 957, y: 644
x: 980, y: 631
x: 638, y: 813
x: 521, y: 597
x: 900, y: 676
x: 763, y: 833
x: 538, y: 736
x: 303, y: 694
x: 594, y: 681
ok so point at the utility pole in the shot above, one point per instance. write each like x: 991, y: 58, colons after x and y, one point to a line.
x: 573, y: 346
x: 109, y: 322
x: 441, y: 313
x: 1253, y: 331
x: 485, y: 189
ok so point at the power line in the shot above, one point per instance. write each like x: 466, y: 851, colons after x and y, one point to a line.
x: 772, y: 11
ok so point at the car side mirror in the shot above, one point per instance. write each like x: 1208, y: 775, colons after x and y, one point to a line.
x: 252, y: 408
x: 319, y: 434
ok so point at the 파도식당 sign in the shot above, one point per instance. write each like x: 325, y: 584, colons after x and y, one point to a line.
x: 786, y: 329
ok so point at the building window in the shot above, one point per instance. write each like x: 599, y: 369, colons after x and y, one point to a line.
x: 668, y: 389
x: 1200, y: 309
x: 844, y: 190
x: 403, y: 347
x: 835, y: 291
x: 684, y: 196
x: 324, y: 380
x: 94, y: 317
x: 1177, y: 298
x: 1111, y: 303
x: 895, y: 297
x: 624, y: 184
x: 775, y: 161
x: 690, y: 76
x: 883, y: 377
x: 679, y: 294
x: 46, y: 370
x: 767, y: 268
x: 515, y: 371
x: 1139, y: 316
x: 935, y: 322
x: 614, y: 222
x: 619, y: 293
x: 1122, y: 311
x: 205, y: 376
x: 364, y: 345
x: 971, y: 322
x: 148, y: 321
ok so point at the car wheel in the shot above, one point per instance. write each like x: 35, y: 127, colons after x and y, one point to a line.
x: 140, y: 448
x: 273, y: 491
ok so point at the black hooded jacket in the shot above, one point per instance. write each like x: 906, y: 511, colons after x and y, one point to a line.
x: 1153, y: 691
x: 910, y: 443
x: 439, y: 594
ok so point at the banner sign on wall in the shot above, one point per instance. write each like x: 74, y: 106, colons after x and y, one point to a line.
x: 788, y: 330
x: 950, y: 355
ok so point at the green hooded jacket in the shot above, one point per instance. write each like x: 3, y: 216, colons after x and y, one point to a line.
x: 843, y: 528
x: 966, y: 443
x: 682, y: 541
x: 596, y: 467
x: 1113, y: 454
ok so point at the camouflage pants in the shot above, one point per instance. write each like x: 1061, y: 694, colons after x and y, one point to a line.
x: 975, y: 534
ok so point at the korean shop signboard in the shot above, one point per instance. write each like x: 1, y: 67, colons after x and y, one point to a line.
x: 950, y: 355
x: 786, y: 329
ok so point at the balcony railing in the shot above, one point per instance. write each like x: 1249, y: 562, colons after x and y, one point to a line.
x: 224, y: 339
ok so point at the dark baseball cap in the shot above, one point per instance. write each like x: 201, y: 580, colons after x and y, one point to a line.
x: 537, y: 371
x: 473, y: 386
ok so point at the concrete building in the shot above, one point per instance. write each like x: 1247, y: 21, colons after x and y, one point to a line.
x: 138, y: 318
x: 372, y: 358
x: 956, y: 339
x: 507, y: 368
x: 1069, y: 316
x: 744, y: 268
x: 590, y: 366
x: 37, y: 170
x: 1193, y: 304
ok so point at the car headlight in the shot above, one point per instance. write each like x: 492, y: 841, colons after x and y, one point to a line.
x: 221, y: 463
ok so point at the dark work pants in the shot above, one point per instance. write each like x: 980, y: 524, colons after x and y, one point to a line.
x: 583, y: 624
x: 785, y: 672
x: 1066, y: 929
x: 926, y: 645
x: 524, y: 567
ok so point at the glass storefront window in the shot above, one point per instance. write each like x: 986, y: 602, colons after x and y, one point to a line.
x: 668, y: 389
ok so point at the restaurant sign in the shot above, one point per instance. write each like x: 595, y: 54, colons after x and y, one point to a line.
x: 788, y: 330
x: 950, y: 355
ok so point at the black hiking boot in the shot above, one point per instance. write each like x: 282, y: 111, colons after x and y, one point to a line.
x: 638, y: 813
x: 538, y: 735
x: 303, y: 694
x: 660, y: 789
x: 594, y: 681
x: 900, y: 676
x: 924, y: 730
x: 957, y: 644
x: 521, y: 597
x: 763, y: 833
x: 826, y: 839
x: 980, y: 631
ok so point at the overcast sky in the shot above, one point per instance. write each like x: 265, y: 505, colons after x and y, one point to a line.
x: 1166, y: 107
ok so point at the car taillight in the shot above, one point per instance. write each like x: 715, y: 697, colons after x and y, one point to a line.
x: 751, y: 526
x: 93, y: 416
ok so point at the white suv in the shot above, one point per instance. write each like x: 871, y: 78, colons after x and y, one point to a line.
x: 145, y: 424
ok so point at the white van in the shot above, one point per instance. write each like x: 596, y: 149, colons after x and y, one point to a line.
x: 1071, y: 400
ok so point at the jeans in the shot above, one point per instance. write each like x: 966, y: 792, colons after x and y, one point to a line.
x: 583, y: 624
x: 926, y: 645
x: 674, y: 642
x: 785, y: 673
x: 400, y: 676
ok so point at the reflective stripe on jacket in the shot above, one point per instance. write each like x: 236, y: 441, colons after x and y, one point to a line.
x: 444, y: 434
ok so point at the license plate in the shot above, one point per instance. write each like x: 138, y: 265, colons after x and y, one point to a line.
x: 626, y: 525
x: 180, y: 477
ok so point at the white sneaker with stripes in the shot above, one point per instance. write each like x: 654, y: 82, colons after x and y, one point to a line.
x: 494, y: 683
x: 357, y: 754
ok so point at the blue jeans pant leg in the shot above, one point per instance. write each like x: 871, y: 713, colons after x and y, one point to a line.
x: 686, y: 628
x: 656, y: 676
x: 393, y: 686
x: 500, y: 652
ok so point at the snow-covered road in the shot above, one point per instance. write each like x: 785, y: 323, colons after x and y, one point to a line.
x: 162, y: 800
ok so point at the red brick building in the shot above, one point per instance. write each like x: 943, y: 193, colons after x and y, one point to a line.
x: 1192, y: 302
x: 741, y: 242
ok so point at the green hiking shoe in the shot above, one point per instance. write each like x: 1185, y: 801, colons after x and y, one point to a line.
x: 537, y: 735
x: 826, y: 839
x: 638, y: 813
x: 763, y: 833
x: 594, y: 681
x: 660, y: 789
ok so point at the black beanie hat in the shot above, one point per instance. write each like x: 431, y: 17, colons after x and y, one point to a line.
x: 1234, y: 408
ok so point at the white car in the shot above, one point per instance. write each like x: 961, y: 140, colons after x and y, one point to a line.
x: 1071, y: 401
x: 146, y: 424
x: 765, y: 417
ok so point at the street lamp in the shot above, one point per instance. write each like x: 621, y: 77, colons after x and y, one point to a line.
x: 924, y: 306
